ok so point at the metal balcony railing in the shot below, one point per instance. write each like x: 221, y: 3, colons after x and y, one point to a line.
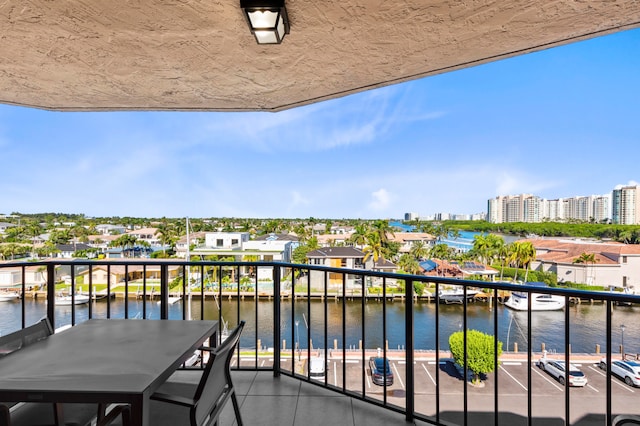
x: 298, y: 314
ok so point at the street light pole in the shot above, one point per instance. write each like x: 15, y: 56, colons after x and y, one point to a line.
x: 622, y: 328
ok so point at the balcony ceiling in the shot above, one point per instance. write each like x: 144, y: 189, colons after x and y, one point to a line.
x: 198, y: 55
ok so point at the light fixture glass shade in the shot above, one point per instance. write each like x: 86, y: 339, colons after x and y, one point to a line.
x: 263, y: 19
x: 266, y: 37
x: 267, y: 20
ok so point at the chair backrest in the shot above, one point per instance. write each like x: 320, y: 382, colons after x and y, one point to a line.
x: 21, y: 338
x: 216, y: 379
x: 624, y: 419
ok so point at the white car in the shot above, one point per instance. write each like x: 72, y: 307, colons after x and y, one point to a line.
x: 317, y: 368
x: 556, y: 368
x: 627, y: 370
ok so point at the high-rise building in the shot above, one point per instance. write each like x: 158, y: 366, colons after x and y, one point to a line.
x: 531, y: 208
x: 512, y: 208
x: 411, y: 216
x: 601, y: 208
x: 625, y: 205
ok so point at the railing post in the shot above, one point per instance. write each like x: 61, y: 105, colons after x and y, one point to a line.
x: 276, y: 321
x: 51, y: 294
x: 164, y: 291
x: 410, y: 401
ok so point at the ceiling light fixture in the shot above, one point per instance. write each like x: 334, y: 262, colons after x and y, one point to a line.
x: 267, y: 20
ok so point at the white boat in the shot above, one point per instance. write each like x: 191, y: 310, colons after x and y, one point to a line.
x: 456, y: 294
x: 539, y: 301
x: 100, y: 294
x: 6, y: 296
x: 67, y: 300
x: 171, y: 300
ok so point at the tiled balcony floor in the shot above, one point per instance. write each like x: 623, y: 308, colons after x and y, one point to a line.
x: 284, y: 401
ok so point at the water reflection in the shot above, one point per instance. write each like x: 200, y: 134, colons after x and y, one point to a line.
x: 587, y: 322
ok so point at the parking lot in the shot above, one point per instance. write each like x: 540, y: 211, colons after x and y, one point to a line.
x: 587, y: 404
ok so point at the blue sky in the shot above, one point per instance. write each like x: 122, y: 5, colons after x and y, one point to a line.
x: 558, y: 123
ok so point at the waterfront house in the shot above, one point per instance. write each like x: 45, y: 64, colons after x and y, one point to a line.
x: 616, y: 264
x: 408, y: 239
x: 66, y: 251
x: 108, y: 229
x: 337, y: 257
x: 238, y: 246
x: 333, y: 240
x: 11, y: 277
x: 148, y: 235
x: 195, y: 239
x: 6, y: 225
x: 118, y: 274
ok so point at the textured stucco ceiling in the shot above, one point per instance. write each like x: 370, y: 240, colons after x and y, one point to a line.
x: 92, y: 55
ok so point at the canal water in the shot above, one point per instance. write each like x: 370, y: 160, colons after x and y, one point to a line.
x: 586, y: 322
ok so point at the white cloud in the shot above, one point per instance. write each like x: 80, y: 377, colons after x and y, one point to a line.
x: 512, y: 182
x: 351, y: 120
x: 630, y: 183
x: 298, y: 200
x: 380, y: 200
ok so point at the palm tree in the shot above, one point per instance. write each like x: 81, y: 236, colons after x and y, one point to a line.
x: 528, y: 255
x: 587, y: 258
x: 482, y: 246
x: 33, y: 230
x: 382, y: 228
x: 504, y: 252
x: 409, y: 264
x: 522, y: 253
x: 440, y: 251
x: 496, y: 243
x: 359, y: 235
x: 251, y: 258
x: 302, y: 232
x: 419, y: 250
x: 373, y: 249
x: 124, y: 241
x: 166, y: 235
x: 440, y: 232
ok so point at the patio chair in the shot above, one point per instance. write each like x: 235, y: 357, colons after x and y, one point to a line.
x: 626, y: 420
x: 179, y: 403
x: 21, y: 338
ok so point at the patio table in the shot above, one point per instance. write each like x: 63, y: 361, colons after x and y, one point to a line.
x: 103, y: 361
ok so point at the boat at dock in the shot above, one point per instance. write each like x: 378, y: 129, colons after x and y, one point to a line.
x: 7, y: 296
x: 519, y: 300
x: 100, y: 294
x: 77, y: 299
x: 456, y: 294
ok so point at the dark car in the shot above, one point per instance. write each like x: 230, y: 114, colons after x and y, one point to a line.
x: 380, y: 371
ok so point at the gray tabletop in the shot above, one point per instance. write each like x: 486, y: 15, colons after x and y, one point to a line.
x: 102, y: 360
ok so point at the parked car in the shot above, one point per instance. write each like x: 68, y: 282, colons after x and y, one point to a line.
x: 380, y: 371
x: 317, y: 368
x: 460, y: 370
x: 627, y: 370
x: 556, y: 369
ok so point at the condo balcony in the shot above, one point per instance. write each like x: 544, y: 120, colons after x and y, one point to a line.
x: 325, y: 345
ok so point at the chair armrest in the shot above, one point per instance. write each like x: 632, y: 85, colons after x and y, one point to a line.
x: 173, y: 399
x: 124, y: 410
x: 206, y: 348
x: 4, y: 415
